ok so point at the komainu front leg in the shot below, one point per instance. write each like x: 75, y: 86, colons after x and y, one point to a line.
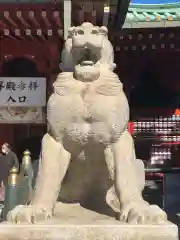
x: 53, y: 165
x: 133, y: 208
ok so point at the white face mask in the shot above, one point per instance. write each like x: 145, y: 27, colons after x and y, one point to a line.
x: 3, y: 151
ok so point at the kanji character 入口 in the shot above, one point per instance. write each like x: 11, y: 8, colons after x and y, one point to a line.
x: 11, y: 99
x: 22, y: 99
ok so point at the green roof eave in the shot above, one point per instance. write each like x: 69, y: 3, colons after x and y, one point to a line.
x: 150, y: 10
x: 156, y: 13
x: 158, y: 7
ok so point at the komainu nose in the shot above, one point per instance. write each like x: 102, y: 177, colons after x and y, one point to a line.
x: 92, y: 43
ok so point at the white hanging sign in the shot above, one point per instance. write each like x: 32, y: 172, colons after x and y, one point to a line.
x: 22, y: 92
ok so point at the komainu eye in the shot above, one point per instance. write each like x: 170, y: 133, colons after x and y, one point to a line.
x: 94, y: 31
x: 80, y: 32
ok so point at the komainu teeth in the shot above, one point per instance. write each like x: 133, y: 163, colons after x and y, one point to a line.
x: 88, y: 58
x: 87, y: 63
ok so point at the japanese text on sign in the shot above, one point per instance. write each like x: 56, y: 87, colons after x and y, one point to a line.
x: 23, y: 91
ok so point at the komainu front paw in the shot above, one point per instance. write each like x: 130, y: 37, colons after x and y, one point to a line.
x: 29, y: 214
x: 142, y: 213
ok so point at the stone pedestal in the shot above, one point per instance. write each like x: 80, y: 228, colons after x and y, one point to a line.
x: 76, y: 223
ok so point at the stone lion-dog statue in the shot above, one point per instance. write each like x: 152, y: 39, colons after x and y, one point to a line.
x: 87, y: 117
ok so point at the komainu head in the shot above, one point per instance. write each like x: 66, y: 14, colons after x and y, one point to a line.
x: 86, y: 51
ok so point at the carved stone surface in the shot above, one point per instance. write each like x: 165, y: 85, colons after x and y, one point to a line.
x: 87, y: 152
x: 72, y: 222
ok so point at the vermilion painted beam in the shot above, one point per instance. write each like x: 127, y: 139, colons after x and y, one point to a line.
x: 56, y: 17
x: 45, y: 19
x: 9, y: 19
x: 22, y: 20
x: 33, y: 19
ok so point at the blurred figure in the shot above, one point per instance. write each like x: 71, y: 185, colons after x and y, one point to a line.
x: 8, y: 160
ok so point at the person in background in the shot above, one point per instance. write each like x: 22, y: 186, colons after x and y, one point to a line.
x: 8, y: 160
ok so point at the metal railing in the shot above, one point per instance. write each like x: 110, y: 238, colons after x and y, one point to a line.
x: 18, y: 189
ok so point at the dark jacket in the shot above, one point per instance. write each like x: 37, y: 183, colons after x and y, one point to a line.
x: 7, y: 162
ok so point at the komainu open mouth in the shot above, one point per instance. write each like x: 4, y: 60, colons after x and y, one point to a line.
x: 88, y: 58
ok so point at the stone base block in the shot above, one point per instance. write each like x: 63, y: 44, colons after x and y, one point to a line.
x: 73, y: 222
x: 88, y: 232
